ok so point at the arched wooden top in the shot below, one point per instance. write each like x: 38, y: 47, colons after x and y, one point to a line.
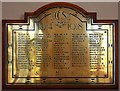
x: 60, y: 4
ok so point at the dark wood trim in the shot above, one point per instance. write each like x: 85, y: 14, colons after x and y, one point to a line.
x: 40, y: 10
x: 117, y: 54
x: 3, y: 54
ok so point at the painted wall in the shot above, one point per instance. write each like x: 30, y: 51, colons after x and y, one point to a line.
x: 0, y: 45
x: 15, y: 10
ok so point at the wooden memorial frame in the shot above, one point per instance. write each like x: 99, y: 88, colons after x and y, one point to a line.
x: 62, y: 12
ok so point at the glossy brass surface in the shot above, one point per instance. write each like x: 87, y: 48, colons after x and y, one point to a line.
x: 60, y: 46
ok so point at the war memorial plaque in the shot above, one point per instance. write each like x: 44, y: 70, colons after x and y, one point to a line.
x: 60, y: 46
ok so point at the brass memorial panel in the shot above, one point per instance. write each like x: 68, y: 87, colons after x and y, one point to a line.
x: 60, y: 46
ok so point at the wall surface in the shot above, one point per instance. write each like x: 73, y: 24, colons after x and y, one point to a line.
x: 0, y: 45
x: 15, y: 10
